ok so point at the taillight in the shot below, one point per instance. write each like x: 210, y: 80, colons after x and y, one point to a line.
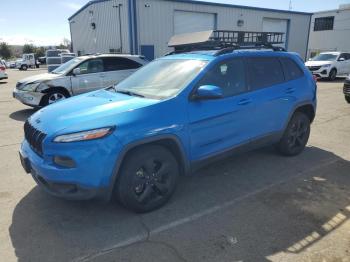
x: 315, y: 78
x: 2, y: 68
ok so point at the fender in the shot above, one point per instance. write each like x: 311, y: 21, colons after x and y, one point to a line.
x: 296, y: 106
x: 184, y: 159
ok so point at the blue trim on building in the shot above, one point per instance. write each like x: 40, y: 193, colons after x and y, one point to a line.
x: 131, y: 40
x: 205, y: 3
x: 136, y: 47
x: 287, y: 34
x: 308, y: 37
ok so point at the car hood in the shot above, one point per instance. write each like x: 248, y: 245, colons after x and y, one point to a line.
x: 317, y: 63
x: 87, y: 111
x: 38, y: 78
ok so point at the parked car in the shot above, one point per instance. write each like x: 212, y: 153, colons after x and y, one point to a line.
x: 135, y: 139
x: 12, y: 64
x: 3, y: 62
x: 3, y: 74
x: 79, y: 75
x: 27, y: 61
x: 346, y: 89
x: 330, y: 65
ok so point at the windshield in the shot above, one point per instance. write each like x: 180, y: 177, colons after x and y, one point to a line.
x: 325, y: 57
x: 64, y: 68
x: 162, y: 78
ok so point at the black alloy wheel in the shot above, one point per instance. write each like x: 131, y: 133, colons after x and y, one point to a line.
x: 296, y: 135
x: 148, y: 178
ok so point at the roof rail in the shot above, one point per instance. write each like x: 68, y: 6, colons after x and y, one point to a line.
x: 225, y: 41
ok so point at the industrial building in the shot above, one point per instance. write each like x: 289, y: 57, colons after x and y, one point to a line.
x: 330, y: 31
x: 145, y: 26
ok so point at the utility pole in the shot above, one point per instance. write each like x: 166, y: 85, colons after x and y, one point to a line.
x: 290, y: 5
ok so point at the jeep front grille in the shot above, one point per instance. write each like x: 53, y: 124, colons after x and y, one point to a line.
x: 34, y: 137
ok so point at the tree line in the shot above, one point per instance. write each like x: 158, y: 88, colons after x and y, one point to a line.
x: 6, y: 52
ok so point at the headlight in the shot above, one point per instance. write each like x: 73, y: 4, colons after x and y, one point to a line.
x: 30, y: 87
x: 327, y: 65
x: 84, y: 135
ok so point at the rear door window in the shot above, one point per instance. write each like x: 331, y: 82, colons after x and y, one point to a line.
x: 91, y: 66
x: 291, y: 70
x: 264, y: 72
x: 119, y: 63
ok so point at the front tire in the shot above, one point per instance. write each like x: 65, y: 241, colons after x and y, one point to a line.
x: 347, y: 98
x: 53, y: 97
x: 332, y: 74
x: 295, y: 136
x: 147, y: 178
x: 24, y: 67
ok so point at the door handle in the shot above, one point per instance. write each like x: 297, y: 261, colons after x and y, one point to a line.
x: 244, y: 101
x: 290, y: 90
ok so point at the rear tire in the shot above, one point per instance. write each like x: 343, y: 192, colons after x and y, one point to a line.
x: 147, y: 178
x: 295, y: 136
x: 347, y: 98
x: 332, y: 74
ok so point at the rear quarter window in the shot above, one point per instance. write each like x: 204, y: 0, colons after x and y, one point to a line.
x: 119, y: 63
x: 291, y: 70
x: 264, y: 72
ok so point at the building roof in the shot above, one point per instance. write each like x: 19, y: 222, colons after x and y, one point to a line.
x: 202, y: 3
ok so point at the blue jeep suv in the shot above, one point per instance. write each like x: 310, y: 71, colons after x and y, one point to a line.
x: 133, y: 140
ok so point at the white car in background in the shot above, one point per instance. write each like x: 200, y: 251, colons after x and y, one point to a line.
x: 3, y: 74
x: 330, y: 65
x: 79, y: 75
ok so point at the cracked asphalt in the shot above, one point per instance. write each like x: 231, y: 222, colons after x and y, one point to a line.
x: 256, y: 206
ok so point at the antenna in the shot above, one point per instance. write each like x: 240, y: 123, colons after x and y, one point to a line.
x: 290, y: 5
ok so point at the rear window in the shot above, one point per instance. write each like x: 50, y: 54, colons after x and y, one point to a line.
x: 291, y: 69
x: 119, y: 63
x: 264, y: 72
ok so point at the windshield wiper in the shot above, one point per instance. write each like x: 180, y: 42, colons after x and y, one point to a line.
x: 130, y: 93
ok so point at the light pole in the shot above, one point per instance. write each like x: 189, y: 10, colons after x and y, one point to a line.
x: 120, y: 26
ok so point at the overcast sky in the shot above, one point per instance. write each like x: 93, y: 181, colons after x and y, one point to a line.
x: 44, y: 22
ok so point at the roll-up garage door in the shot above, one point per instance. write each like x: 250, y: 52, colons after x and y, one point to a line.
x: 188, y: 22
x: 276, y: 25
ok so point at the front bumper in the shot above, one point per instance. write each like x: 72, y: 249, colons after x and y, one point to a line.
x: 319, y: 71
x: 91, y: 178
x: 3, y: 76
x: 28, y: 98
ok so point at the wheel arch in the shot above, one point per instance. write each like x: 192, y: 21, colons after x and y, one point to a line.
x: 52, y: 89
x: 308, y: 110
x: 171, y: 142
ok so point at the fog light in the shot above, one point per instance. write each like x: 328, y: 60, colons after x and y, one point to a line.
x: 64, y: 161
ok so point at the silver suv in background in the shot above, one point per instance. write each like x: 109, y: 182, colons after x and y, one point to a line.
x: 79, y: 75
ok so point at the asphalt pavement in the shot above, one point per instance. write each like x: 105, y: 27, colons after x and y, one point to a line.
x: 256, y: 206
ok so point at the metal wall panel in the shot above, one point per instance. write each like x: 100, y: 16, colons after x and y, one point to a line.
x: 337, y: 39
x: 156, y: 22
x: 106, y: 35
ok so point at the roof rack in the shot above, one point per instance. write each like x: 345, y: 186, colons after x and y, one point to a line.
x: 225, y: 41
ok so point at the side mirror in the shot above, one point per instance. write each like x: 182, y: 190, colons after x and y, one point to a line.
x: 208, y: 92
x: 76, y: 71
x: 341, y: 59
